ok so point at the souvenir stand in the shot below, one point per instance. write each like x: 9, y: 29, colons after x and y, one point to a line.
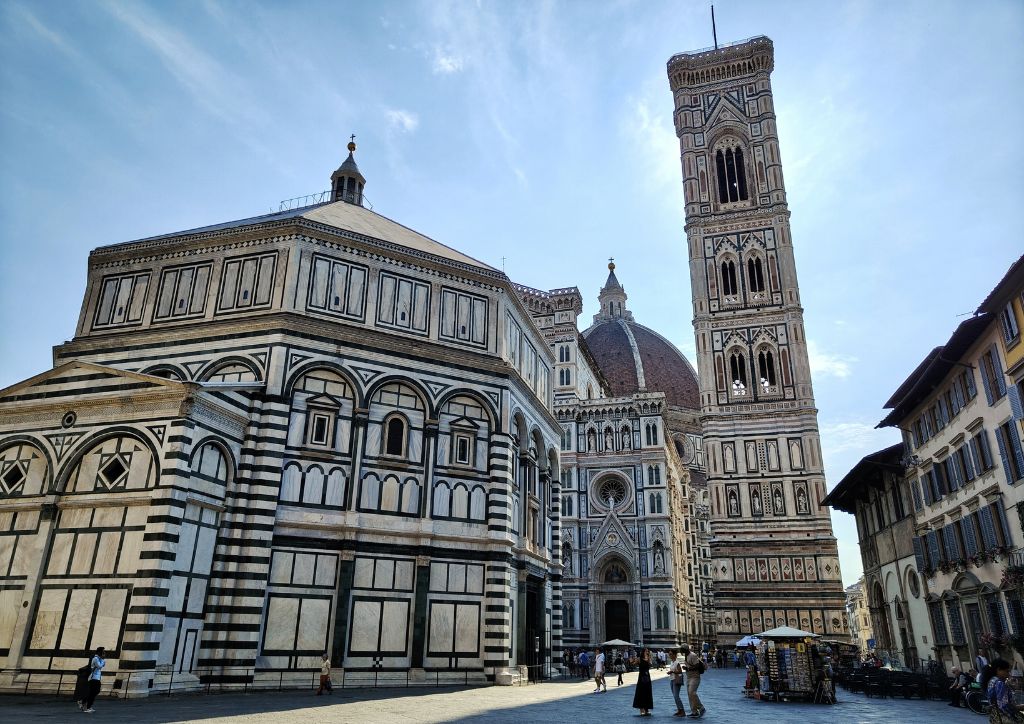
x: 787, y: 668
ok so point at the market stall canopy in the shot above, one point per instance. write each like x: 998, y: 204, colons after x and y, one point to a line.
x: 787, y: 632
x: 616, y: 642
x: 748, y: 641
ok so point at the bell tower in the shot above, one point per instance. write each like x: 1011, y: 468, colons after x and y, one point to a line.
x: 774, y: 557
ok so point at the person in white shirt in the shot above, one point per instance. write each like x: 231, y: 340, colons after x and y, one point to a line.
x: 676, y: 680
x: 96, y: 664
x: 599, y: 671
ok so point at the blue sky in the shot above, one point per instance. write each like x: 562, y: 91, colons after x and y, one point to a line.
x: 534, y: 135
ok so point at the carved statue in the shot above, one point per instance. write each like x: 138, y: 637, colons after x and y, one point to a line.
x: 609, y: 440
x: 625, y: 440
x: 778, y: 501
x: 659, y: 560
x: 734, y: 508
x: 755, y: 502
x: 801, y: 501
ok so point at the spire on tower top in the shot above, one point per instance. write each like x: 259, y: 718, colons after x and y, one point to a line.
x: 347, y: 182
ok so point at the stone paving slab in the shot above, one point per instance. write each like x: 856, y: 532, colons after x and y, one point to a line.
x: 565, y: 702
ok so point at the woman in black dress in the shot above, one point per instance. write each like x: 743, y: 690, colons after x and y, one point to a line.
x: 643, y: 697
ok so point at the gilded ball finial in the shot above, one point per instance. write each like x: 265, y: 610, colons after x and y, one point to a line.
x: 352, y: 143
x: 611, y: 263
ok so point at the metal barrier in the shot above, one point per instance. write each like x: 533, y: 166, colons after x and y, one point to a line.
x: 118, y: 684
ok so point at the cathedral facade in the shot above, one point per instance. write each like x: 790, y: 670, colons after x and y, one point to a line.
x: 774, y: 558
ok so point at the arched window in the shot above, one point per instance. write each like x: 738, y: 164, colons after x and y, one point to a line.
x: 568, y: 377
x: 738, y: 368
x: 766, y: 367
x: 755, y: 274
x: 658, y: 500
x: 729, y: 286
x: 650, y: 475
x: 567, y: 505
x: 732, y: 175
x: 394, y: 436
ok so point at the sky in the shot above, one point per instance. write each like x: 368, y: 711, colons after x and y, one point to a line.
x: 534, y: 136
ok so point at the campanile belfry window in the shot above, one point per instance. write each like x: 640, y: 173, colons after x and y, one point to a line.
x: 732, y: 175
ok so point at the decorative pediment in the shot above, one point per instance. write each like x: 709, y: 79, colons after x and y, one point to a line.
x: 612, y: 536
x: 765, y: 336
x: 727, y: 110
x: 752, y: 240
x: 734, y: 338
x: 725, y: 243
x: 85, y: 378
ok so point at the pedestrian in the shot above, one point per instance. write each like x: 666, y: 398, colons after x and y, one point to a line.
x: 599, y: 672
x: 676, y: 680
x: 956, y: 691
x: 620, y: 667
x: 643, y: 697
x: 993, y: 681
x: 325, y: 675
x: 96, y: 664
x: 584, y: 666
x: 694, y: 668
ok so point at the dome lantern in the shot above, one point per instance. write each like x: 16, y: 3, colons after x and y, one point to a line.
x: 347, y: 182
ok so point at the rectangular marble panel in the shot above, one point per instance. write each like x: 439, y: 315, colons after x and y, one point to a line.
x: 131, y: 546
x: 475, y: 579
x: 467, y: 629
x: 106, y: 554
x: 326, y: 569
x: 457, y: 577
x: 281, y: 567
x: 395, y: 626
x: 365, y: 626
x: 107, y: 517
x: 81, y: 556
x: 442, y: 628
x: 47, y: 623
x: 10, y: 605
x: 404, y: 572
x: 363, y: 577
x: 110, y: 615
x: 438, y: 576
x: 60, y: 554
x: 186, y: 544
x: 316, y: 614
x: 302, y: 575
x: 282, y: 619
x: 78, y: 618
x: 384, y: 577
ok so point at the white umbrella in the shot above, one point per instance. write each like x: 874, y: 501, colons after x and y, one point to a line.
x: 616, y: 643
x: 787, y: 632
x: 748, y: 641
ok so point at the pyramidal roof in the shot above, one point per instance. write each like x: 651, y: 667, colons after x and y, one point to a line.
x: 338, y: 215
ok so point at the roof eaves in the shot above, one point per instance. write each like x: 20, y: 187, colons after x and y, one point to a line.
x: 1013, y: 279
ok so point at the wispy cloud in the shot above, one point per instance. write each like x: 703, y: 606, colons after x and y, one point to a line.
x: 651, y: 133
x: 828, y: 364
x: 211, y: 85
x: 446, y: 62
x: 402, y: 121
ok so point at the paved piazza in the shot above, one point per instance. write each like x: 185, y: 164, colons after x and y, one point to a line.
x: 563, y: 701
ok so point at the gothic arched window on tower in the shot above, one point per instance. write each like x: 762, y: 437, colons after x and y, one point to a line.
x: 755, y: 274
x: 766, y: 368
x: 738, y: 372
x: 732, y: 175
x: 729, y: 286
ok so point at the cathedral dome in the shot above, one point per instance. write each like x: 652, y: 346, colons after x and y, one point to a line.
x: 634, y: 358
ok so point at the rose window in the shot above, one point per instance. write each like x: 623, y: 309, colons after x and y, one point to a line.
x: 612, y: 492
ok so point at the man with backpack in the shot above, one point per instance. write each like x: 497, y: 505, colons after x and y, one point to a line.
x: 694, y: 668
x: 95, y: 672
